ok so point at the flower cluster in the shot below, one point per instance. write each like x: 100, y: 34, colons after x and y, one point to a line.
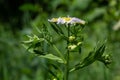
x: 67, y: 20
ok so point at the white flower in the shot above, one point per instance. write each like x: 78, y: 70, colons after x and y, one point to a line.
x: 75, y: 20
x: 60, y: 21
x: 67, y: 20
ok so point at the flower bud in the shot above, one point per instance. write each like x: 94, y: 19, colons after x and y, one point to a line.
x: 79, y: 43
x: 72, y: 47
x: 71, y: 38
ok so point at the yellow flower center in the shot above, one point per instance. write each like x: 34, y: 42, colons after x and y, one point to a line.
x: 54, y: 19
x: 66, y: 18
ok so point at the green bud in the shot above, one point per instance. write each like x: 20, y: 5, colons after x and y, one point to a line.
x: 71, y: 38
x: 79, y: 43
x: 72, y: 47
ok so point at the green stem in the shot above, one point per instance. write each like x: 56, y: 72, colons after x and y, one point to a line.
x: 105, y: 74
x: 67, y: 57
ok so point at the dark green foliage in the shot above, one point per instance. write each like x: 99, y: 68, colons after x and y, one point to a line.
x: 15, y: 22
x: 56, y: 28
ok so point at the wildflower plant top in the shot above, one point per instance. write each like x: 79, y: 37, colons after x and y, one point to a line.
x: 67, y: 20
x: 71, y: 34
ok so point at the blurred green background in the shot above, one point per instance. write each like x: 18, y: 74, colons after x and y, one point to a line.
x: 17, y: 19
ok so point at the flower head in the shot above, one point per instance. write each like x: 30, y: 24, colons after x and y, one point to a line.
x: 67, y: 20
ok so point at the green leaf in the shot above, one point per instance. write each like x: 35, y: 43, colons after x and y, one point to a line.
x: 28, y: 48
x: 33, y: 39
x: 52, y: 57
x: 39, y: 52
x: 56, y: 28
x: 92, y: 57
x: 88, y: 60
x: 99, y: 52
x: 51, y: 72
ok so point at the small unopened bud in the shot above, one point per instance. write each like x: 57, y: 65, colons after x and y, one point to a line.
x: 107, y: 56
x: 79, y: 43
x: 54, y: 79
x: 72, y: 47
x: 71, y: 38
x: 107, y: 59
